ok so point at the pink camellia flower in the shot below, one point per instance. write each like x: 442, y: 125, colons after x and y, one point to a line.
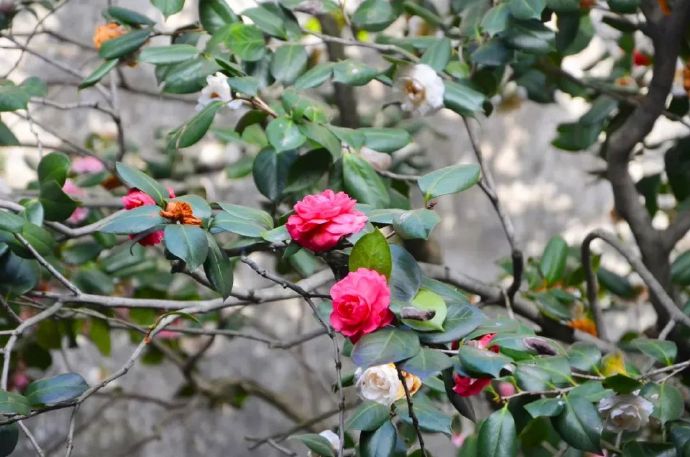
x: 361, y: 303
x: 322, y: 220
x: 71, y: 189
x: 87, y: 165
x: 466, y: 386
x: 136, y: 198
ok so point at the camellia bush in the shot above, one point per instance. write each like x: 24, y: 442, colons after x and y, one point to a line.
x: 343, y: 208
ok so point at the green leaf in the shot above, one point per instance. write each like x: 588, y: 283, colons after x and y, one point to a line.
x: 99, y: 332
x: 215, y: 14
x: 316, y: 76
x: 430, y: 418
x: 372, y: 251
x: 247, y: 85
x: 643, y: 449
x: 269, y: 173
x: 660, y: 350
x: 351, y: 137
x: 368, y: 416
x: 680, y: 269
x: 18, y: 275
x: 194, y: 130
x: 140, y: 180
x: 385, y: 139
x: 12, y: 403
x: 284, y: 134
x: 246, y: 41
x: 53, y: 167
x: 9, y: 437
x: 56, y: 203
x: 426, y: 300
x: 323, y: 137
x: 624, y: 6
x: 406, y: 276
x: 363, y: 183
x: 462, y: 99
x: 124, y: 45
x: 667, y: 400
x: 545, y: 407
x: 161, y: 55
x: 461, y: 319
x: 579, y: 424
x: 200, y: 207
x: 448, y: 180
x: 564, y: 6
x: 316, y: 443
x: 385, y: 346
x: 353, y: 73
x: 497, y: 435
x: 137, y: 220
x: 218, y: 268
x: 12, y: 97
x: 478, y: 361
x: 496, y: 19
x: 7, y: 138
x: 186, y: 77
x: 576, y: 136
x: 267, y: 20
x: 58, y: 389
x: 380, y: 442
x: 168, y: 7
x: 438, y: 54
x: 10, y: 222
x: 307, y: 170
x: 127, y: 16
x: 289, y: 61
x: 553, y: 260
x: 188, y: 243
x: 584, y: 356
x: 415, y: 224
x: 529, y: 36
x: 98, y: 74
x: 374, y: 15
x: 621, y: 384
x: 426, y: 363
x: 242, y: 220
x: 526, y: 9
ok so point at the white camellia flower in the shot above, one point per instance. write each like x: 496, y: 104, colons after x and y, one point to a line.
x: 379, y: 383
x: 332, y: 438
x: 217, y: 89
x: 626, y: 413
x: 422, y: 90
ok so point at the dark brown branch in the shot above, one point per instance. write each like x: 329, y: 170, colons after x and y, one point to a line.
x: 410, y: 410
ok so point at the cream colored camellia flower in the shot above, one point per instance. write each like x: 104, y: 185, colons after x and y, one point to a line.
x: 217, y: 89
x: 382, y: 385
x: 332, y: 438
x: 625, y: 413
x: 421, y: 90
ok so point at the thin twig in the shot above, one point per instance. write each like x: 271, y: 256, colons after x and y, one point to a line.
x: 410, y: 410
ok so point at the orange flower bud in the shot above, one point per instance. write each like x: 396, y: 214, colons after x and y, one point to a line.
x: 181, y: 212
x: 663, y: 5
x: 584, y: 324
x: 107, y: 32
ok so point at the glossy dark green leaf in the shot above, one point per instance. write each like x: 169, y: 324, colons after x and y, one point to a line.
x: 247, y: 85
x: 385, y: 346
x: 124, y: 45
x: 267, y: 20
x: 38, y: 237
x: 289, y: 61
x: 378, y: 443
x: 316, y: 76
x: 168, y: 7
x: 529, y: 36
x: 497, y: 435
x: 9, y: 437
x: 661, y: 350
x: 430, y: 417
x: 194, y: 130
x: 218, y: 268
x: 127, y: 16
x: 496, y: 19
x: 374, y: 15
x: 58, y: 389
x: 188, y: 76
x: 322, y: 136
x: 137, y: 220
x: 462, y: 404
x: 461, y: 319
x: 98, y: 74
x: 426, y: 363
x: 363, y: 183
x: 247, y: 42
x: 10, y: 222
x: 476, y: 361
x: 385, y: 139
x: 215, y: 14
x: 438, y: 54
x: 372, y: 251
x: 12, y: 403
x: 448, y: 180
x: 368, y: 416
x: 316, y: 443
x: 545, y: 407
x: 416, y: 224
x: 139, y: 180
x: 584, y: 356
x: 245, y: 221
x: 307, y: 170
x: 53, y: 167
x: 579, y: 424
x: 173, y: 53
x: 57, y: 205
x: 553, y: 259
x: 667, y: 400
x: 7, y: 138
x: 462, y: 99
x: 188, y: 243
x: 680, y: 269
x: 526, y: 9
x: 643, y: 449
x: 269, y: 173
x: 621, y: 384
x: 406, y: 276
x: 284, y: 134
x: 624, y: 6
x: 353, y: 73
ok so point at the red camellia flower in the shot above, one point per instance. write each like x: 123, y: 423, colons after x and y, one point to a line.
x: 322, y: 220
x: 466, y: 386
x: 361, y: 303
x: 641, y: 59
x: 136, y: 198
